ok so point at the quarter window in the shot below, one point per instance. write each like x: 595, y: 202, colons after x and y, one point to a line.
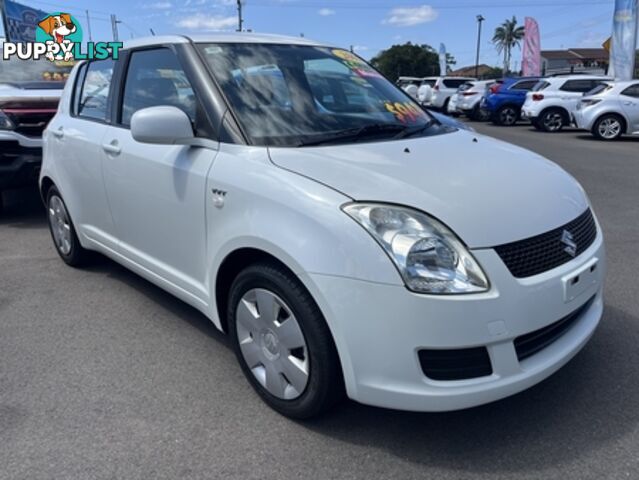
x: 94, y: 93
x: 579, y: 86
x: 155, y: 78
x: 632, y: 91
x: 525, y: 85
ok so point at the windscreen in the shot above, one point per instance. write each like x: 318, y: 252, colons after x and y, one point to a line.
x: 289, y: 95
x: 19, y: 71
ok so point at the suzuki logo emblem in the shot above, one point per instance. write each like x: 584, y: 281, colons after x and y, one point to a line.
x: 568, y: 240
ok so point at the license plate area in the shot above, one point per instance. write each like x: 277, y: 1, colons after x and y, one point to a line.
x: 580, y: 281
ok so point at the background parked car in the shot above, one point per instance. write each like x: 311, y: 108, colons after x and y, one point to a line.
x: 468, y: 98
x: 28, y: 100
x: 552, y: 102
x: 610, y: 110
x: 410, y: 85
x: 505, y: 101
x: 441, y: 90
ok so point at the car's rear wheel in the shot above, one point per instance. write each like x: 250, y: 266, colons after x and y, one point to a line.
x: 63, y: 232
x: 506, y: 116
x: 608, y: 127
x: 445, y: 106
x: 552, y: 120
x: 282, y: 342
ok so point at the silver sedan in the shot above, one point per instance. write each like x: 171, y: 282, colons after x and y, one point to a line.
x: 610, y: 110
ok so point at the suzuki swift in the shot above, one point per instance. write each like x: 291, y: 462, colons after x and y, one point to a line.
x: 348, y: 242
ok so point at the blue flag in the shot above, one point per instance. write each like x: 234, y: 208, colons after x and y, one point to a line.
x: 20, y: 21
x: 443, y: 64
x: 624, y: 39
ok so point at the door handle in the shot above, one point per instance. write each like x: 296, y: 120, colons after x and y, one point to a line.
x: 111, y: 148
x: 59, y: 133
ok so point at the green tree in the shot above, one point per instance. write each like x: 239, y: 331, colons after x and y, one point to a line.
x: 409, y: 60
x: 508, y: 36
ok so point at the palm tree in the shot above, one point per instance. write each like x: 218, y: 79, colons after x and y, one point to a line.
x: 508, y: 36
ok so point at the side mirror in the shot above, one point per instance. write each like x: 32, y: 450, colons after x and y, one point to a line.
x: 162, y: 125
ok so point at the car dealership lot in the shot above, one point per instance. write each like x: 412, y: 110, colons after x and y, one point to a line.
x: 103, y: 375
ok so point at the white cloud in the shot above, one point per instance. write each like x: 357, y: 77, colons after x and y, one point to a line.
x: 207, y: 22
x: 410, y: 16
x: 326, y: 12
x: 160, y: 5
x: 360, y: 48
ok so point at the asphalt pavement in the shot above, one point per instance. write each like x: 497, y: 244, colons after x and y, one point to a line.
x: 105, y: 376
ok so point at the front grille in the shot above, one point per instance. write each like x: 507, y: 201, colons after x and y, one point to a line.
x: 538, y: 254
x: 531, y: 343
x: 458, y: 364
x: 28, y: 122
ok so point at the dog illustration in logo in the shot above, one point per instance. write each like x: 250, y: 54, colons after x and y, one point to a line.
x: 59, y: 26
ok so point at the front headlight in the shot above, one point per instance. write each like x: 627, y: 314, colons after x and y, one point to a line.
x: 5, y: 122
x: 429, y: 257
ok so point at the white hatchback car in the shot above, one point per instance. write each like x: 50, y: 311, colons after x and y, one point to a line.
x: 346, y: 240
x: 468, y: 98
x: 610, y: 110
x: 552, y: 102
x: 436, y: 91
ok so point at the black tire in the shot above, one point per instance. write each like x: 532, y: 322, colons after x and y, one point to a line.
x: 598, y: 129
x: 479, y: 114
x: 76, y: 256
x: 535, y: 123
x: 506, y: 116
x: 1, y: 202
x: 552, y: 120
x: 325, y: 385
x: 444, y: 109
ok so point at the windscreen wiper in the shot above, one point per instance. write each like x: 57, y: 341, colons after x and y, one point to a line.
x: 356, y: 134
x: 409, y: 132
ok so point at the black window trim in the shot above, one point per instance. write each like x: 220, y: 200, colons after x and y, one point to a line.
x: 78, y: 87
x: 123, y: 70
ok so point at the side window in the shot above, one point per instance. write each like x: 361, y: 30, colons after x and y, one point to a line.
x: 454, y: 83
x: 632, y: 91
x: 527, y: 85
x: 94, y: 90
x: 155, y: 78
x: 578, y: 86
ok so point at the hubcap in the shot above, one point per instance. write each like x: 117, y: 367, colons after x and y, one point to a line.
x: 508, y: 116
x: 60, y: 226
x: 272, y: 344
x: 610, y: 128
x: 553, y: 121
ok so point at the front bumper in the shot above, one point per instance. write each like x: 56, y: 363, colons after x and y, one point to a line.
x: 379, y: 330
x: 19, y: 165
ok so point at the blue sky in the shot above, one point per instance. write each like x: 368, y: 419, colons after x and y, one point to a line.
x: 369, y: 25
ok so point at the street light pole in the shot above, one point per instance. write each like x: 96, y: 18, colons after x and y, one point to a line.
x: 480, y: 19
x: 240, y: 20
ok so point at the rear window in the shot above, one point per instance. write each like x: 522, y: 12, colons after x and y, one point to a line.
x: 599, y: 89
x: 466, y: 86
x: 541, y: 85
x: 454, y: 82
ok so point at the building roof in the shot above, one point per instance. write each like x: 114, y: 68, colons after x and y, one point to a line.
x: 573, y: 54
x: 482, y: 69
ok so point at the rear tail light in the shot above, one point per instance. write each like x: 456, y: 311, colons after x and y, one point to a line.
x: 495, y: 88
x: 537, y: 97
x: 436, y: 88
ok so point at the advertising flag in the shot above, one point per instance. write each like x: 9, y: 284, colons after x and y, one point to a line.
x: 624, y: 39
x: 531, y: 62
x: 443, y: 64
x: 20, y: 21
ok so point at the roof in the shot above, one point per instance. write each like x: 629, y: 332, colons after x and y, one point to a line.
x: 576, y: 54
x: 221, y: 37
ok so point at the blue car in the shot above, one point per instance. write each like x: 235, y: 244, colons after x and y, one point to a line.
x: 504, y: 101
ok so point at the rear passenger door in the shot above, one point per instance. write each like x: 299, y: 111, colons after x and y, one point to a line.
x: 630, y: 103
x: 75, y: 146
x: 157, y: 193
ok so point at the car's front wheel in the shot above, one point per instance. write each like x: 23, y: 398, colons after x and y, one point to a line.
x: 282, y: 342
x: 507, y: 116
x: 63, y: 232
x: 608, y: 127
